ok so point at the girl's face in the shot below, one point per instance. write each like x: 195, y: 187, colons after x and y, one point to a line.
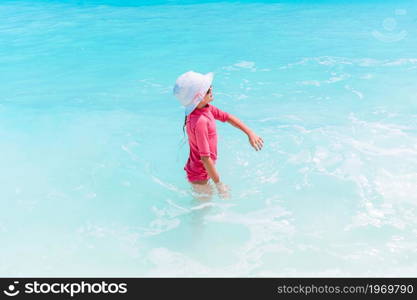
x: 207, y: 98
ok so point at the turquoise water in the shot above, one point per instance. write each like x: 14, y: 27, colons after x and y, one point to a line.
x: 92, y: 149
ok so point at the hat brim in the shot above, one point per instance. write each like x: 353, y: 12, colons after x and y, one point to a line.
x: 208, y: 80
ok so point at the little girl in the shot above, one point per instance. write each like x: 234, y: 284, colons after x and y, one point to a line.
x: 194, y: 91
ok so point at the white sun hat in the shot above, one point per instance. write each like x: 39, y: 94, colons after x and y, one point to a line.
x: 190, y: 88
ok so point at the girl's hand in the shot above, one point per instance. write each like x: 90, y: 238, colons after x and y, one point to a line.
x: 223, y: 190
x: 256, y: 141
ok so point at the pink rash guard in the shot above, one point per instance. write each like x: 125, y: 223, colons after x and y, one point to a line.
x: 202, y: 137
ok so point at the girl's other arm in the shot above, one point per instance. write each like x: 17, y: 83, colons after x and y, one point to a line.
x: 210, y: 168
x: 256, y: 141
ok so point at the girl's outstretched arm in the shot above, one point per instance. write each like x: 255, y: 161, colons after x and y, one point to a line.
x: 256, y: 141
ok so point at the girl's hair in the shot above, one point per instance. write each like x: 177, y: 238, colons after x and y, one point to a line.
x: 185, y: 123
